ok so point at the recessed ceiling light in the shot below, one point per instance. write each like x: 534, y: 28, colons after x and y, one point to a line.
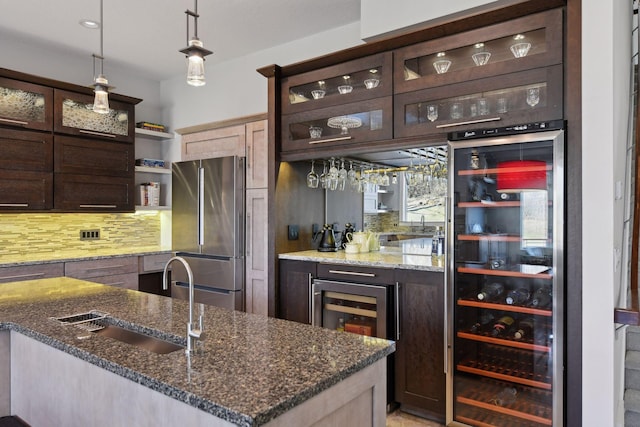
x: 89, y: 23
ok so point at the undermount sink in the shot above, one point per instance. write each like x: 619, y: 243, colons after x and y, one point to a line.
x: 95, y: 322
x: 138, y: 339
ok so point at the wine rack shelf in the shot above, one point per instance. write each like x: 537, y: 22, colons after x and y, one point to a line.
x: 490, y: 204
x: 522, y: 344
x: 496, y: 171
x: 505, y: 307
x: 520, y: 270
x: 489, y: 237
x: 489, y: 371
x: 528, y: 404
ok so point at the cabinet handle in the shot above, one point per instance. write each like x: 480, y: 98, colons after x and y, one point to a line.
x: 338, y: 138
x: 21, y: 276
x: 397, y: 311
x: 105, y: 267
x: 469, y: 122
x: 90, y: 132
x: 99, y: 206
x: 14, y: 205
x: 16, y: 122
x: 352, y: 273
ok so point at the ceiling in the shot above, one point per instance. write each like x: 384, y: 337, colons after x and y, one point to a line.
x: 146, y: 35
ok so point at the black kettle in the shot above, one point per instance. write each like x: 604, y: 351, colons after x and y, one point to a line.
x: 328, y: 241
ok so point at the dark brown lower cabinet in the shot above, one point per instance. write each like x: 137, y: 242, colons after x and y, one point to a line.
x: 295, y: 284
x: 419, y: 369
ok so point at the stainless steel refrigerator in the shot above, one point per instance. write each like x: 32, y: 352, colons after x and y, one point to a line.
x: 506, y: 277
x: 208, y: 230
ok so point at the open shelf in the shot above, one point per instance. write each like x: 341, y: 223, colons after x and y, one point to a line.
x: 154, y: 133
x: 152, y: 208
x: 147, y: 169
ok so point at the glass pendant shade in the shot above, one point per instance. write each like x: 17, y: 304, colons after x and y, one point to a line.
x: 101, y: 100
x: 195, y: 70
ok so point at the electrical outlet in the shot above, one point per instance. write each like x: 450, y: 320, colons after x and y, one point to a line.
x: 315, y: 228
x: 293, y: 232
x: 90, y: 234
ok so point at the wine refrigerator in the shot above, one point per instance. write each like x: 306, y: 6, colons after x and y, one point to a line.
x: 504, y: 276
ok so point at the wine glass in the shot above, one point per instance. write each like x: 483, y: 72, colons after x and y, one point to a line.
x: 384, y: 180
x: 333, y: 175
x: 312, y: 177
x: 342, y: 176
x: 324, y: 177
x: 533, y: 96
x: 432, y: 112
x: 352, y: 176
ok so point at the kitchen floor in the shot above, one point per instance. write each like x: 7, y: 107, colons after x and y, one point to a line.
x: 401, y: 419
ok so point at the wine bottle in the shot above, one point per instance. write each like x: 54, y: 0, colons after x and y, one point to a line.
x: 517, y: 296
x: 491, y: 291
x: 501, y: 327
x: 542, y: 297
x: 483, y: 322
x: 525, y: 329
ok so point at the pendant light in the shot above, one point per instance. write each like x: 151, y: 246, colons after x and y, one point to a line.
x: 195, y: 51
x: 100, y: 83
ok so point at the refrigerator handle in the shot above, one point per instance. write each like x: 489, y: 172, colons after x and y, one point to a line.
x: 201, y: 206
x: 449, y: 244
x: 248, y: 236
x: 397, y: 297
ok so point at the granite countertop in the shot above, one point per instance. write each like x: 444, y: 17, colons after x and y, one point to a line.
x: 382, y: 258
x: 10, y: 260
x: 248, y: 371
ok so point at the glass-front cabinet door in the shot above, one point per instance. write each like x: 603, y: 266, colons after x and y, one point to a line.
x: 25, y: 105
x: 365, y: 122
x: 530, y: 42
x: 505, y: 280
x: 352, y: 81
x: 75, y: 116
x: 522, y: 97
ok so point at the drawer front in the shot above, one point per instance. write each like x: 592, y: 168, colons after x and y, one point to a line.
x: 86, y: 193
x: 102, y: 267
x: 153, y: 263
x: 31, y: 272
x: 87, y: 157
x: 25, y: 191
x: 125, y: 281
x: 355, y: 273
x: 26, y: 151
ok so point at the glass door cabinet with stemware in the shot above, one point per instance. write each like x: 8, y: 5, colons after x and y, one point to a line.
x: 340, y: 105
x: 505, y: 279
x: 499, y: 75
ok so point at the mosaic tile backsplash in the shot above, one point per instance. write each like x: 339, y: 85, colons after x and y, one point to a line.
x: 47, y: 236
x: 389, y: 222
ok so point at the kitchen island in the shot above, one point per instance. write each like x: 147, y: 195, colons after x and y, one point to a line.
x: 250, y: 370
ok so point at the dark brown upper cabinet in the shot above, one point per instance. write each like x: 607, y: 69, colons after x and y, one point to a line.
x: 516, y: 45
x: 74, y: 116
x: 25, y: 105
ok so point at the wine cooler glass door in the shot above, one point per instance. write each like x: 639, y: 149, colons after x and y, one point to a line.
x: 505, y: 280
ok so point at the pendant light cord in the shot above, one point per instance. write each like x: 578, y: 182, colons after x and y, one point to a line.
x: 101, y: 39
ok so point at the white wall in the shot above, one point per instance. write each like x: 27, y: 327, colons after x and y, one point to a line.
x: 383, y: 17
x: 58, y: 64
x: 605, y: 91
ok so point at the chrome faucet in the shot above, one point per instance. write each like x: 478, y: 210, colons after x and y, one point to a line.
x: 193, y: 332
